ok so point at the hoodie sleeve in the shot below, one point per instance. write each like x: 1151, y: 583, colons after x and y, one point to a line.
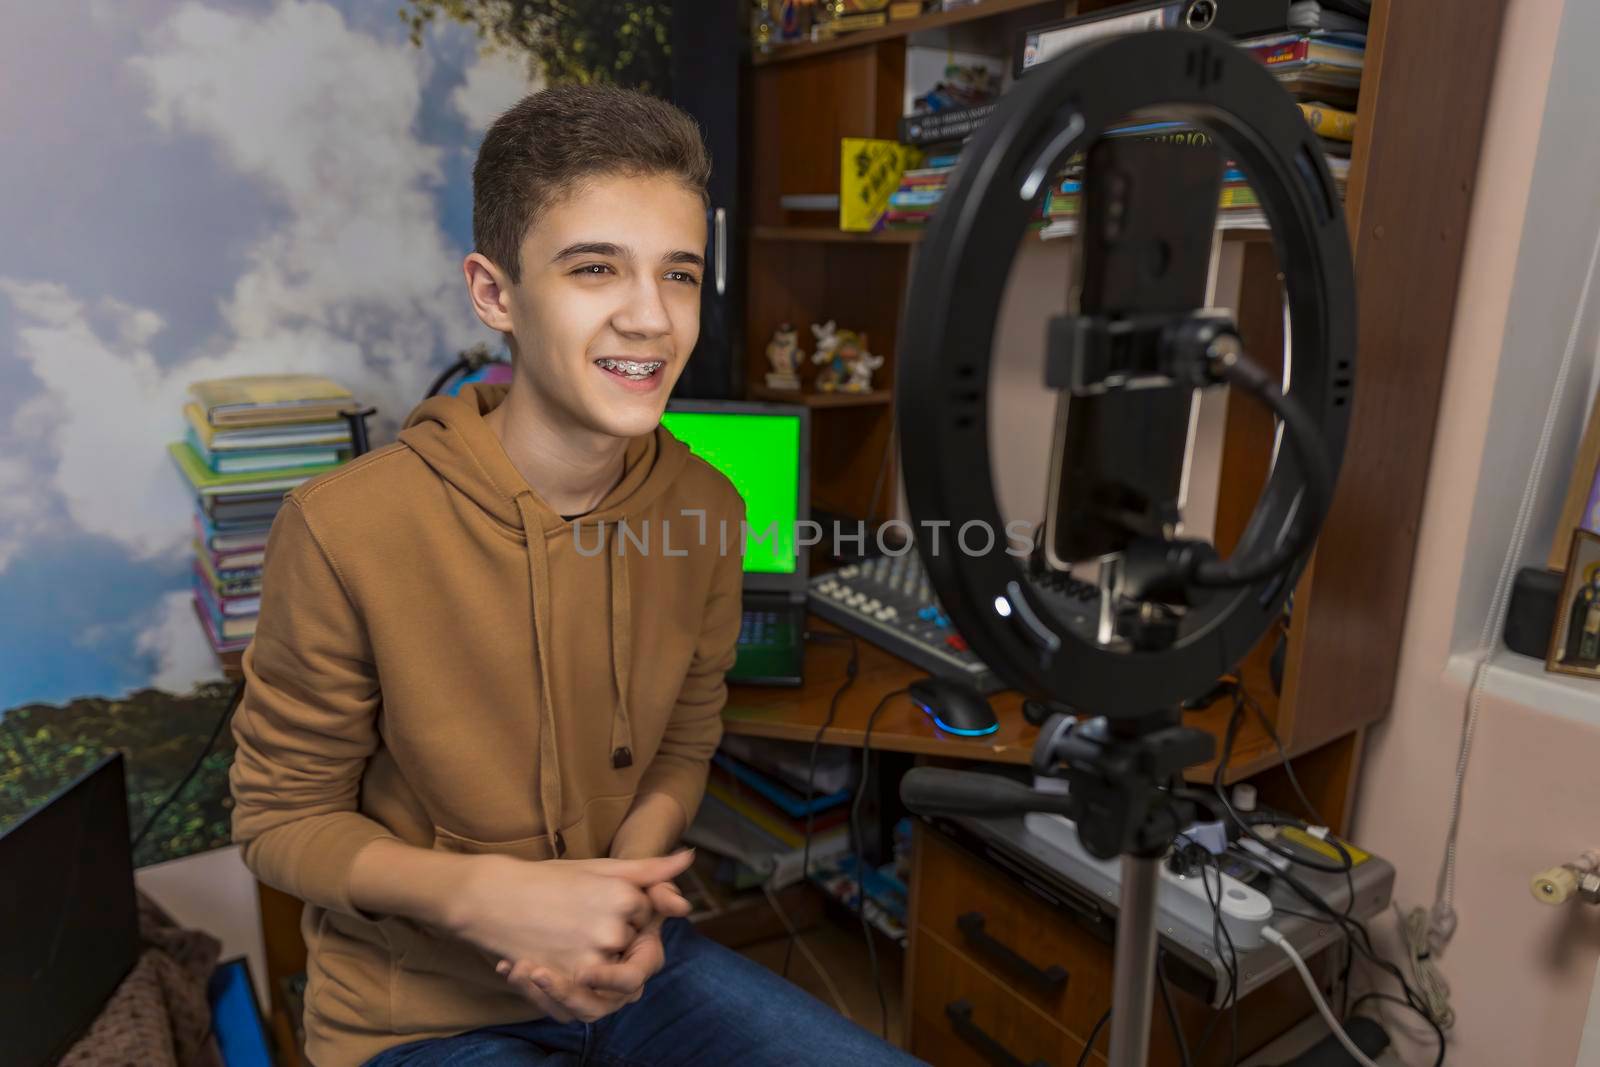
x: 305, y: 726
x: 695, y: 728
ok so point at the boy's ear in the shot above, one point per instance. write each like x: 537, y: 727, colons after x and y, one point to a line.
x: 489, y: 290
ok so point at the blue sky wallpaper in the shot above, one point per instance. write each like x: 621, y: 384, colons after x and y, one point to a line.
x: 193, y: 190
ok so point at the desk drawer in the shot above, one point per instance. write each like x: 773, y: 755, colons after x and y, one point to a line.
x: 962, y: 1017
x: 1047, y: 959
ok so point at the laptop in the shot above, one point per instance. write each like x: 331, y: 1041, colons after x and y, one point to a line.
x: 67, y: 908
x: 765, y: 450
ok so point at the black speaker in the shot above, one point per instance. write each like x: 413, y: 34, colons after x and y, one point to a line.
x: 1535, y: 602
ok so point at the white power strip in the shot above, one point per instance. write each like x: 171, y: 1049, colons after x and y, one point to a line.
x: 1245, y: 911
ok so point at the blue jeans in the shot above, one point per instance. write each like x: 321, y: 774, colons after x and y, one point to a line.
x: 707, y: 1005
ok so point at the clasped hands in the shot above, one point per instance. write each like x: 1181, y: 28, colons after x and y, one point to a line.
x: 591, y: 935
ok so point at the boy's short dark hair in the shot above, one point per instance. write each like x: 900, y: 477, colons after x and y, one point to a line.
x: 551, y: 141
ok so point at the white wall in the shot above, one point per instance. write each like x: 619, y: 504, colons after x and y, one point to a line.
x: 1551, y: 259
x: 1520, y: 972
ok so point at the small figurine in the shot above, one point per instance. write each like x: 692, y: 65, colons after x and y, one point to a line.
x: 784, y: 356
x: 861, y: 368
x: 850, y: 365
x: 828, y: 339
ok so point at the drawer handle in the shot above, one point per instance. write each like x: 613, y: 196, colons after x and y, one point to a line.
x: 1051, y: 979
x: 960, y: 1015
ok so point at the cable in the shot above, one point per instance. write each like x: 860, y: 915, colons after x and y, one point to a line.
x: 777, y: 908
x: 1241, y: 693
x: 850, y: 671
x: 1230, y: 965
x: 1088, y: 1046
x: 1442, y: 916
x: 805, y: 950
x: 1228, y: 738
x: 1305, y: 438
x: 1272, y: 935
x: 1350, y: 927
x: 861, y: 860
x: 877, y: 483
x: 1439, y: 1033
x: 461, y: 364
x: 194, y: 768
x: 1172, y: 1012
x: 1431, y: 985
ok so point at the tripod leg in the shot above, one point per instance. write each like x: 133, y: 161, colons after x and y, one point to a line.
x: 1133, y: 975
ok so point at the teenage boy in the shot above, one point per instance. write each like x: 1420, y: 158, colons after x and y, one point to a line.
x: 487, y: 677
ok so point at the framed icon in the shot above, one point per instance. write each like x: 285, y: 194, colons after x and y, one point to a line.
x: 1575, y: 637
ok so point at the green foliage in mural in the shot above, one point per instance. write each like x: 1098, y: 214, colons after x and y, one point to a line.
x: 43, y: 747
x: 621, y: 42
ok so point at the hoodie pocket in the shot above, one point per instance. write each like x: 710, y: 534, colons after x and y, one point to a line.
x: 536, y: 847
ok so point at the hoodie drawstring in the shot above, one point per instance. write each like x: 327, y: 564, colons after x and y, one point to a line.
x: 539, y: 588
x: 621, y: 661
x: 621, y: 656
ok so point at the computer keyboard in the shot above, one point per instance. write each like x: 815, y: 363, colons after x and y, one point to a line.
x: 764, y: 629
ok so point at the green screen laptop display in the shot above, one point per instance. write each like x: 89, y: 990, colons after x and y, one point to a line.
x: 760, y: 455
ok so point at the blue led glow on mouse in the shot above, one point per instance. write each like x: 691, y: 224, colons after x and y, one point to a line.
x: 954, y: 706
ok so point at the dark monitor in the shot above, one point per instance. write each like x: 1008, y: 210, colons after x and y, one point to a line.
x: 69, y: 925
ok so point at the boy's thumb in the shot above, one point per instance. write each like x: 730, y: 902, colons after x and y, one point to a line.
x: 648, y: 872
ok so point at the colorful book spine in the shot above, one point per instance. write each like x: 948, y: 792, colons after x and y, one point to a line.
x: 1330, y: 122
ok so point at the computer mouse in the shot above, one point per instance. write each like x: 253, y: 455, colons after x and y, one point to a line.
x: 954, y: 706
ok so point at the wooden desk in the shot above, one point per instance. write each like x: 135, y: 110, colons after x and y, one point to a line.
x: 794, y: 714
x: 942, y: 970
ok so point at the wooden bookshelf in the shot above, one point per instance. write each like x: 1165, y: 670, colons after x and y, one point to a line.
x: 981, y: 10
x: 1420, y: 127
x: 833, y: 234
x: 824, y: 400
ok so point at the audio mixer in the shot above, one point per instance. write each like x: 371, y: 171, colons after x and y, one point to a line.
x: 887, y: 600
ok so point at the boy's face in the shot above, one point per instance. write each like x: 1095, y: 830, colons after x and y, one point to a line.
x: 608, y: 306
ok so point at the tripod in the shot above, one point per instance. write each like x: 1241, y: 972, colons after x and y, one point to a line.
x: 1124, y: 797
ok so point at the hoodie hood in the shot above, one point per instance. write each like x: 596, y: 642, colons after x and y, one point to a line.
x: 451, y: 436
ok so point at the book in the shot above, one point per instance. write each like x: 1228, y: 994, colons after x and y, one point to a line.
x: 223, y: 628
x: 791, y: 802
x: 261, y: 459
x: 757, y: 856
x: 1330, y: 123
x: 219, y: 539
x: 287, y: 435
x: 904, y: 9
x: 246, y: 582
x: 1314, y: 50
x: 942, y: 126
x: 791, y: 833
x: 230, y: 605
x: 1313, y: 15
x: 207, y: 482
x: 1339, y: 88
x: 860, y: 20
x: 219, y: 644
x: 885, y: 901
x: 270, y: 398
x: 244, y: 509
x: 790, y: 762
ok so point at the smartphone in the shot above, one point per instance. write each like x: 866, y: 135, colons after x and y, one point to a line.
x: 1148, y: 225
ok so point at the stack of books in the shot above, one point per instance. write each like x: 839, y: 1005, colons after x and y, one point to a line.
x: 1314, y: 65
x: 887, y: 897
x: 912, y: 204
x: 755, y: 810
x: 248, y: 441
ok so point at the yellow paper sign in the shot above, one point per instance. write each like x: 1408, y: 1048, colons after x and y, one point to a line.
x: 869, y: 173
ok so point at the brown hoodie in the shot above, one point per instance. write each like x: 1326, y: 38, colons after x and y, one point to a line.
x: 425, y: 670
